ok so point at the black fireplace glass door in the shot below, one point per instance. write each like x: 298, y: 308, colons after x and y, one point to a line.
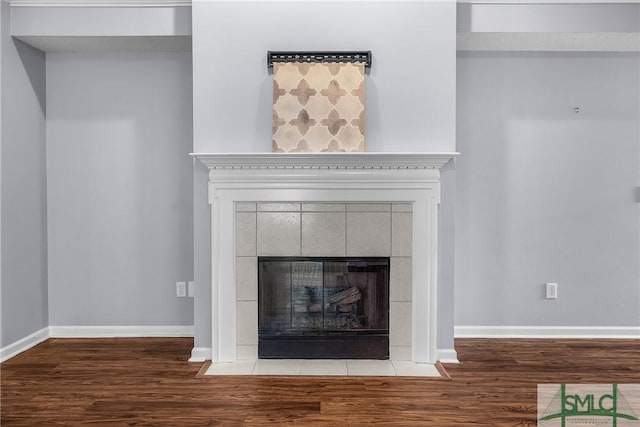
x: 323, y: 307
x: 274, y: 296
x: 306, y: 296
x: 356, y: 295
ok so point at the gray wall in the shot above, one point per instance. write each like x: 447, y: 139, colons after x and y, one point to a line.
x: 545, y: 194
x: 120, y: 188
x: 23, y: 191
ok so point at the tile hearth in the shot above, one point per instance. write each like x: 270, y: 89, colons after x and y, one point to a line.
x: 322, y: 367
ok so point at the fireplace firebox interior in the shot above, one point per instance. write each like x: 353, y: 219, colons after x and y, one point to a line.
x: 327, y: 308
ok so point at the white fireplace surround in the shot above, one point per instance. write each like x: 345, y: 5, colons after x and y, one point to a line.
x: 325, y: 177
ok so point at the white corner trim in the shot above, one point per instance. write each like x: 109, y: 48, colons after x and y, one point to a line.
x: 200, y: 354
x: 447, y: 355
x: 99, y: 3
x: 119, y: 331
x: 23, y: 344
x: 601, y: 332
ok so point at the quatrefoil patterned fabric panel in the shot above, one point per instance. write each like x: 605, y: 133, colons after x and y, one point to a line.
x: 318, y: 107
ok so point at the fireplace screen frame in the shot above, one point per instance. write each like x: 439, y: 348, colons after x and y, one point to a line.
x: 320, y: 314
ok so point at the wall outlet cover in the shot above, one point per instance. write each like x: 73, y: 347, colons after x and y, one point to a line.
x: 181, y: 289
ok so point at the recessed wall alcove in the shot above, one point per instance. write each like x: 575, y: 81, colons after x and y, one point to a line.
x: 349, y: 179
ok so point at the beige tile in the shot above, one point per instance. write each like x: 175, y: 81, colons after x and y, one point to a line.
x: 247, y: 323
x: 245, y: 207
x: 246, y: 278
x: 323, y: 207
x: 278, y: 234
x: 400, y: 286
x: 245, y: 234
x: 369, y: 207
x: 401, y: 234
x: 247, y: 352
x: 400, y: 352
x: 239, y: 367
x: 323, y: 367
x: 323, y: 234
x: 412, y: 369
x: 368, y: 234
x: 277, y: 367
x: 400, y: 323
x: 278, y: 207
x: 373, y: 368
x: 402, y: 207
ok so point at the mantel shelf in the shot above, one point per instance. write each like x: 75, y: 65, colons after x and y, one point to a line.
x: 369, y: 160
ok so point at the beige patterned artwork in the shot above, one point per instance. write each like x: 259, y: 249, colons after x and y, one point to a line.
x: 318, y: 107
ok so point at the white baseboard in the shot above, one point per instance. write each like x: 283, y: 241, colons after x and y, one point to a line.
x: 119, y: 331
x: 447, y: 355
x: 200, y: 354
x: 601, y: 332
x: 23, y: 344
x: 43, y: 334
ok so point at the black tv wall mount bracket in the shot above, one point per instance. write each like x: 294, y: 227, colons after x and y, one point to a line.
x: 319, y: 57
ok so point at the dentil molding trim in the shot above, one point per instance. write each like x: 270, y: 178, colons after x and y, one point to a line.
x: 346, y: 161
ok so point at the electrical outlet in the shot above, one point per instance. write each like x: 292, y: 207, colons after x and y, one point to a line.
x: 552, y: 291
x: 181, y: 289
x: 191, y: 288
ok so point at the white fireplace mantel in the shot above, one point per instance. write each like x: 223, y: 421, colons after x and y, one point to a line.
x: 367, y: 160
x: 325, y: 177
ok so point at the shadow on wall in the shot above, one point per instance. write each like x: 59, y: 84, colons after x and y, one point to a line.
x: 31, y: 59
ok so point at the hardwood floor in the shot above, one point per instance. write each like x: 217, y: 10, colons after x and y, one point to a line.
x: 113, y: 382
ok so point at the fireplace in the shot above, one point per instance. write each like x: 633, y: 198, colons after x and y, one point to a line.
x: 398, y: 191
x: 327, y: 308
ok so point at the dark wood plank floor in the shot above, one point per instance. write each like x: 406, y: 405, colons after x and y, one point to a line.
x: 113, y: 382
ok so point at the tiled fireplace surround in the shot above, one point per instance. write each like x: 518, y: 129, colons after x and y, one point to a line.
x: 319, y: 230
x: 329, y: 204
